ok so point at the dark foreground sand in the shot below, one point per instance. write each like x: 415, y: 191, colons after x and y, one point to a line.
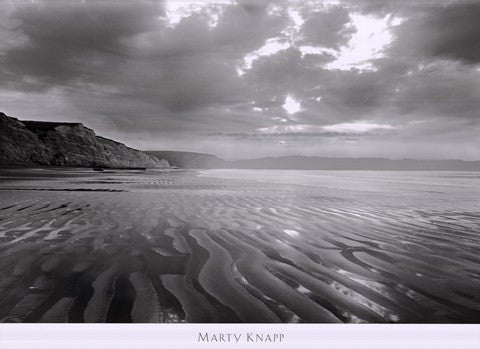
x: 79, y: 246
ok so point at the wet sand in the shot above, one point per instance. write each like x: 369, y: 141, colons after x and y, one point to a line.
x: 239, y: 246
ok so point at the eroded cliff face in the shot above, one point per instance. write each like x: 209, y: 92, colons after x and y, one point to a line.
x: 65, y: 144
x: 184, y: 159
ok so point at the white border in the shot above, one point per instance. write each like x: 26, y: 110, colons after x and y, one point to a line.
x: 302, y: 336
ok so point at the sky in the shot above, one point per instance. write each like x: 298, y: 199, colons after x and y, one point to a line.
x: 243, y: 79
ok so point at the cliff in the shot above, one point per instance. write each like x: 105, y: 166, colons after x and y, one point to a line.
x: 65, y: 144
x: 183, y: 159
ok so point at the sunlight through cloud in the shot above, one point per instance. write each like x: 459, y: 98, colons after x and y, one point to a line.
x: 271, y: 47
x: 291, y: 105
x: 356, y: 127
x: 177, y: 10
x: 372, y: 36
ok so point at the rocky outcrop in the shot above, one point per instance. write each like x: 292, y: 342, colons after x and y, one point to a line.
x: 184, y: 159
x: 65, y: 144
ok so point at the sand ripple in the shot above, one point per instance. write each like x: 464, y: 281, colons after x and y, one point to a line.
x: 77, y: 246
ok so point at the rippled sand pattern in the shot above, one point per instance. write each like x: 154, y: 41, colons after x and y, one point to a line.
x: 79, y: 246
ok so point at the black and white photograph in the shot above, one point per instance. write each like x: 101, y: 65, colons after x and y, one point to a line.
x: 232, y: 162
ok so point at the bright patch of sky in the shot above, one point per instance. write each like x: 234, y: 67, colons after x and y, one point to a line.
x: 271, y: 47
x: 356, y: 127
x: 296, y: 18
x: 292, y: 31
x: 177, y: 10
x: 313, y: 50
x: 372, y: 36
x: 284, y: 129
x: 291, y: 105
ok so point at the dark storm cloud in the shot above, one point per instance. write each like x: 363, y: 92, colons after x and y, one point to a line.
x: 133, y: 73
x: 447, y: 32
x: 441, y: 90
x: 147, y: 69
x: 74, y: 41
x: 402, y: 8
x: 328, y: 28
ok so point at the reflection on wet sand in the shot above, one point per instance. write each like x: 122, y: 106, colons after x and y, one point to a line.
x: 78, y: 246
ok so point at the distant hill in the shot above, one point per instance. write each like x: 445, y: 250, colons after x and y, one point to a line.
x: 200, y: 160
x: 65, y: 144
x: 372, y: 164
x: 183, y: 159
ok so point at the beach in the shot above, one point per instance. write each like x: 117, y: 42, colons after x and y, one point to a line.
x: 234, y: 246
